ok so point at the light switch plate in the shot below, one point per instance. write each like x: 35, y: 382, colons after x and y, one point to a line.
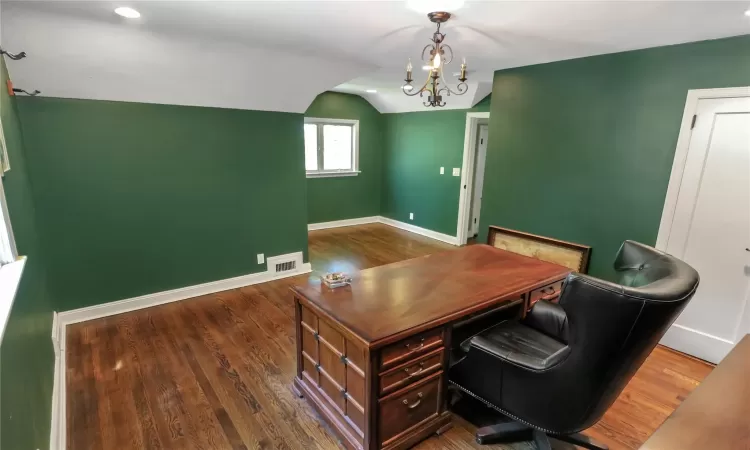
x: 261, y: 258
x: 456, y: 171
x: 442, y: 170
x: 411, y: 216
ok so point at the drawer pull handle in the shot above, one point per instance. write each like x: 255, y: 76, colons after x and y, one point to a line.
x: 413, y: 374
x: 415, y: 404
x: 421, y: 344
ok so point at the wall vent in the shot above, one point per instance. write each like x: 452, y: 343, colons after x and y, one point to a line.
x: 284, y: 264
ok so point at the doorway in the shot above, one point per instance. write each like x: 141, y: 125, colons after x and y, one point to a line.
x: 472, y: 179
x: 706, y: 221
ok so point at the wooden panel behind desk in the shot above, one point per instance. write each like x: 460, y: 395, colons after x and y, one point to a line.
x: 716, y: 416
x: 372, y: 358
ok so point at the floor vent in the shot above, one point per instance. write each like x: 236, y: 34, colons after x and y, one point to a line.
x: 283, y: 264
x: 286, y: 266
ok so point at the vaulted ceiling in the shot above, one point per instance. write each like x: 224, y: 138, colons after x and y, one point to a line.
x: 278, y: 55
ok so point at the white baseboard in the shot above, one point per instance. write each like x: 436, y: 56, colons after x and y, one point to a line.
x: 453, y: 240
x: 61, y: 320
x: 697, y: 343
x: 342, y: 223
x: 159, y: 298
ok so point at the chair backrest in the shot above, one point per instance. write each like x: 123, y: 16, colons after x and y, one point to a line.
x: 613, y: 327
x: 568, y: 254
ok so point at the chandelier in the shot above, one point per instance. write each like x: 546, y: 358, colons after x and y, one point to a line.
x: 436, y: 61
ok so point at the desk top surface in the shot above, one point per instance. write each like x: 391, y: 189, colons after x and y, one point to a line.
x: 396, y: 300
x: 716, y: 415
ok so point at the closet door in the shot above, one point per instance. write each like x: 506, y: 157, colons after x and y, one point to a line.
x: 711, y: 230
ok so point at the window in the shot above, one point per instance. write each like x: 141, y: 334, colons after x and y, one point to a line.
x: 8, y: 252
x: 11, y: 266
x: 331, y: 147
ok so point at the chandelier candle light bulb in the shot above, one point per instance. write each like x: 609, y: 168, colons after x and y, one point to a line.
x: 437, y: 55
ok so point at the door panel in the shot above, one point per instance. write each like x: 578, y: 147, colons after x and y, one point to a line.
x: 711, y: 229
x: 481, y: 158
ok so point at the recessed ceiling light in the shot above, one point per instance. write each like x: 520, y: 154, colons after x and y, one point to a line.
x: 747, y: 13
x: 427, y: 6
x: 129, y: 13
x: 371, y: 91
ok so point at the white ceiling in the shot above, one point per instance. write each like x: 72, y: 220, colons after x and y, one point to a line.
x: 278, y: 55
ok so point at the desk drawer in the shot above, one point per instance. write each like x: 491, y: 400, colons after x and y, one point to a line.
x: 411, y: 371
x: 405, y: 409
x: 409, y: 348
x: 551, y: 293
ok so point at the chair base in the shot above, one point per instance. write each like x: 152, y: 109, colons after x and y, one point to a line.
x: 515, y: 432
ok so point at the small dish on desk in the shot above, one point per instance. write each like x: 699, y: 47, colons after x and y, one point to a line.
x: 336, y: 279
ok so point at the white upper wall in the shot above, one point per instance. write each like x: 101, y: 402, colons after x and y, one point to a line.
x: 278, y: 55
x: 74, y: 57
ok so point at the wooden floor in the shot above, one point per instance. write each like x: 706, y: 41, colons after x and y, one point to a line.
x: 215, y: 372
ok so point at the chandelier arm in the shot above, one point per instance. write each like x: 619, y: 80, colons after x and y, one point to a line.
x: 425, y: 49
x: 449, y: 49
x: 422, y: 89
x: 461, y: 88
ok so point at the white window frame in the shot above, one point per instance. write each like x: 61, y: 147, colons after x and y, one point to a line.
x: 11, y: 265
x: 8, y: 250
x: 354, y: 171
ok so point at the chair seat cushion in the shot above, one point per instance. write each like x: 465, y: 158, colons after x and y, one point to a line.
x: 520, y: 345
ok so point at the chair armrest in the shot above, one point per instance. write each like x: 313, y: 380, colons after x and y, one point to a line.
x: 548, y: 318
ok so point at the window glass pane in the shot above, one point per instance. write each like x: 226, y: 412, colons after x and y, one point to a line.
x: 311, y: 147
x: 337, y: 147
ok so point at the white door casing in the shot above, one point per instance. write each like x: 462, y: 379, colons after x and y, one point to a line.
x: 706, y: 221
x: 478, y: 185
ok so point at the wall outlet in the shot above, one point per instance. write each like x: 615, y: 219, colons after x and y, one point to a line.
x: 261, y: 258
x: 456, y: 171
x: 442, y: 170
x: 411, y: 216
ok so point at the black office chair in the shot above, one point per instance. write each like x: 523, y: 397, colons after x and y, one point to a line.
x: 557, y: 371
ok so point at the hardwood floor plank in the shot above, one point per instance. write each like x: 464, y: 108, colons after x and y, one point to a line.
x: 260, y: 360
x: 216, y: 371
x: 160, y: 388
x: 239, y: 403
x: 143, y: 409
x: 195, y: 405
x: 119, y: 411
x: 83, y: 401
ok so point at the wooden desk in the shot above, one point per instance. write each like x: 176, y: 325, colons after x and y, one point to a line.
x: 716, y: 415
x: 371, y: 357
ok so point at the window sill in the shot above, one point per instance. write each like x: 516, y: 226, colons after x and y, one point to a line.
x: 332, y: 174
x: 10, y: 277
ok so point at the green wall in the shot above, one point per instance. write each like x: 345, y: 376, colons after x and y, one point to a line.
x: 582, y: 149
x: 26, y: 355
x: 140, y: 198
x: 417, y: 144
x: 339, y: 198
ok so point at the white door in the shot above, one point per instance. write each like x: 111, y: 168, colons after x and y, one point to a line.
x: 476, y: 201
x: 710, y: 229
